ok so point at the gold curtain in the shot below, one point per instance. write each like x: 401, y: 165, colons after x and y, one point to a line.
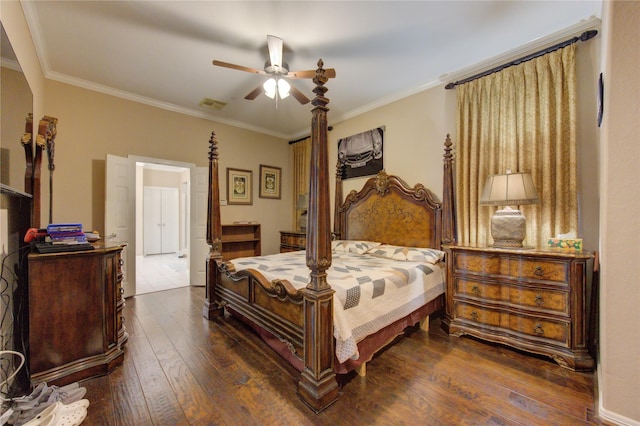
x: 301, y: 161
x: 522, y: 118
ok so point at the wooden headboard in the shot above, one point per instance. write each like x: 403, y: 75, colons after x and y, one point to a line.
x: 387, y: 210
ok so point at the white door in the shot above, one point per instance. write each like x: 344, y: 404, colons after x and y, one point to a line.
x: 119, y: 221
x: 161, y: 220
x: 152, y: 222
x: 170, y: 220
x: 199, y: 249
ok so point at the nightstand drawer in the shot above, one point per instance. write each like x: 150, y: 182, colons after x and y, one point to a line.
x: 539, y: 270
x: 540, y: 300
x: 558, y: 331
x: 535, y: 299
x: 477, y: 263
x: 467, y: 287
x: 292, y: 241
x: 502, y: 322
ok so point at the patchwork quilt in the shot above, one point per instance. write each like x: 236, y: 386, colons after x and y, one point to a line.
x: 371, y: 291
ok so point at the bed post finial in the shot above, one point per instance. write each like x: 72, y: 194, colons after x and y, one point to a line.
x: 317, y: 386
x: 214, y: 226
x: 448, y: 198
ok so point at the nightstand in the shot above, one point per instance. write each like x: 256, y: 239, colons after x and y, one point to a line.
x: 533, y: 300
x: 292, y: 241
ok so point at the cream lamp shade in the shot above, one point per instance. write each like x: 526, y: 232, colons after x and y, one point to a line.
x: 508, y: 226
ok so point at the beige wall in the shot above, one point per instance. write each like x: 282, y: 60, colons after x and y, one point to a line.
x: 619, y: 366
x: 92, y: 125
x: 415, y: 130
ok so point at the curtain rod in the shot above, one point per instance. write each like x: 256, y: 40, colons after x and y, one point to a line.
x: 587, y: 35
x: 299, y: 140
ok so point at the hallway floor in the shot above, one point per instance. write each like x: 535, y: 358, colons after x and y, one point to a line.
x: 161, y: 272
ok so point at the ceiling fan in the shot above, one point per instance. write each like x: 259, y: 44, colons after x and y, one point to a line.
x: 278, y: 70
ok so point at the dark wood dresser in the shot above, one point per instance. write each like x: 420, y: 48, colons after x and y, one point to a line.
x: 76, y: 327
x: 533, y: 300
x: 292, y: 241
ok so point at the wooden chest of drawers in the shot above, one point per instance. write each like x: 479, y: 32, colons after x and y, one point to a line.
x: 533, y: 300
x: 292, y: 241
x: 75, y: 303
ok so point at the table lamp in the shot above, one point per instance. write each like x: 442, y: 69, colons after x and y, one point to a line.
x: 509, y: 226
x: 302, y: 204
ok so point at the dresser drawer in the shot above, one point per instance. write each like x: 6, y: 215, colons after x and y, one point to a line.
x: 540, y: 300
x: 477, y: 263
x: 535, y: 299
x: 468, y: 287
x: 539, y: 269
x: 510, y: 323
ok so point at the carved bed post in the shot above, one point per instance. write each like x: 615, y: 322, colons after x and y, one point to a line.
x: 337, y: 226
x: 318, y: 387
x: 448, y: 199
x: 211, y: 307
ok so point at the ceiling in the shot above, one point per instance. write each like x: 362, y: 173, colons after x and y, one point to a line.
x: 160, y: 52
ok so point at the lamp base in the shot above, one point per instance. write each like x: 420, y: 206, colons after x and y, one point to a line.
x: 302, y: 222
x: 508, y: 228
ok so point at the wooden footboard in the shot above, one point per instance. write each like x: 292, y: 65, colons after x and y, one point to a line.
x: 276, y: 307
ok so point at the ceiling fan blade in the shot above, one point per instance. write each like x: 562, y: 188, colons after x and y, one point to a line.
x: 275, y: 51
x: 331, y: 73
x: 300, y: 97
x: 237, y: 67
x: 254, y: 93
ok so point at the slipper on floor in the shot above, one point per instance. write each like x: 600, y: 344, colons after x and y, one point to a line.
x: 59, y: 414
x: 28, y: 411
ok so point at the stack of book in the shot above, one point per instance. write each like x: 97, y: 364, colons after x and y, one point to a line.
x: 66, y: 233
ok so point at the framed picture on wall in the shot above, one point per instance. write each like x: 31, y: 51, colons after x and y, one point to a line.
x: 270, y: 181
x: 361, y: 154
x: 239, y: 189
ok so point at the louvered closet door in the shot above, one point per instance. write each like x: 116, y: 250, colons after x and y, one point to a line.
x: 160, y: 217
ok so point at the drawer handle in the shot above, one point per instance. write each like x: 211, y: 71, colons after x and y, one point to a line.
x: 122, y: 319
x: 475, y: 290
x: 539, y: 300
x: 121, y: 290
x: 538, y: 330
x: 538, y: 272
x: 121, y: 262
x: 474, y: 315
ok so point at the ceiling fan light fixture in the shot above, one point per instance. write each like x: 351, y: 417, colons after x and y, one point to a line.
x: 269, y: 87
x: 283, y: 88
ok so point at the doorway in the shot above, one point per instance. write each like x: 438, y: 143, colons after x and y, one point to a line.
x: 123, y: 217
x: 162, y: 226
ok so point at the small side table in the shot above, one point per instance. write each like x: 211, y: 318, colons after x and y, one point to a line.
x: 292, y: 241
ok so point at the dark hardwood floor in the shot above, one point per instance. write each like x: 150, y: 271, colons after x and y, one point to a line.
x: 181, y: 369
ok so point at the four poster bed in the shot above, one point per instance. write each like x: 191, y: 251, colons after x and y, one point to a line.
x: 322, y: 308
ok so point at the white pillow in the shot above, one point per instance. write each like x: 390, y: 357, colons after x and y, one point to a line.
x: 353, y: 246
x: 414, y: 254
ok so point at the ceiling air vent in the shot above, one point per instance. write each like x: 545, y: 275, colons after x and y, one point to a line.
x: 212, y: 103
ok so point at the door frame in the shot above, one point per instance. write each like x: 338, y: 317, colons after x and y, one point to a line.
x: 136, y: 193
